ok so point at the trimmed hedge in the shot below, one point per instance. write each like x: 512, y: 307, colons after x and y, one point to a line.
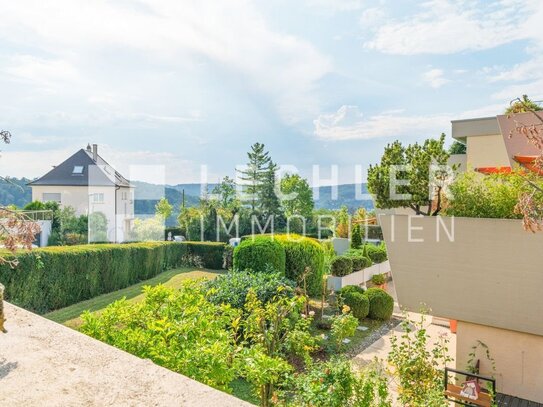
x: 381, y: 303
x: 377, y: 254
x: 259, y: 254
x: 360, y: 262
x: 354, y: 297
x: 341, y: 266
x: 210, y: 253
x: 54, y: 277
x: 302, y: 252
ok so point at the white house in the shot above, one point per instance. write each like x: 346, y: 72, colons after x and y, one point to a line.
x: 86, y: 182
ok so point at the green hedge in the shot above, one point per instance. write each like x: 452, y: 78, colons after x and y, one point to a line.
x: 354, y: 297
x: 302, y: 252
x: 360, y: 262
x: 210, y: 253
x: 54, y: 277
x: 381, y: 303
x: 259, y: 254
x: 341, y: 266
x: 377, y: 254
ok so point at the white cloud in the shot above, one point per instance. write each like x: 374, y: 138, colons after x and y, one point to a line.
x: 434, y: 77
x: 337, y: 5
x: 446, y: 27
x: 348, y: 123
x: 372, y: 17
x: 231, y: 35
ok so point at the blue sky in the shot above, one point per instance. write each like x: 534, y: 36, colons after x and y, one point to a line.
x: 181, y: 84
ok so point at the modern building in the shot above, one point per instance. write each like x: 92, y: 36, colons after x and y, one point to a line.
x: 86, y: 182
x: 486, y: 274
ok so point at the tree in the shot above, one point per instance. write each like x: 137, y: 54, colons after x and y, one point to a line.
x: 163, y: 208
x: 226, y: 192
x: 457, y: 148
x: 302, y: 204
x: 356, y: 240
x: 523, y: 105
x: 342, y: 229
x: 255, y: 173
x: 422, y: 186
x: 269, y: 203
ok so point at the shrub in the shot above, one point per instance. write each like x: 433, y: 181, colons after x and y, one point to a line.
x: 259, y: 254
x: 354, y: 297
x: 210, y: 253
x: 343, y: 326
x: 54, y: 277
x: 149, y: 329
x: 377, y: 254
x: 356, y: 239
x: 301, y: 253
x: 378, y: 279
x: 233, y: 287
x: 341, y: 266
x: 381, y: 303
x: 360, y: 262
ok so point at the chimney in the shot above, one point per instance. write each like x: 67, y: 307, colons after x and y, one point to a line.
x: 95, y: 152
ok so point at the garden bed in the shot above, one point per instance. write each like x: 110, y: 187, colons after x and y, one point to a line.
x: 358, y: 277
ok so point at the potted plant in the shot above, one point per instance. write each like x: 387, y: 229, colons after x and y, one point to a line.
x: 379, y: 280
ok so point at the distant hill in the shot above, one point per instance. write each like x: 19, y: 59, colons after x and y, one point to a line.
x: 147, y: 195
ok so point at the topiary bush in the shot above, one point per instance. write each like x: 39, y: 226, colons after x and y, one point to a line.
x: 354, y: 297
x: 302, y: 252
x: 377, y: 254
x: 381, y: 303
x: 341, y: 266
x: 260, y: 254
x: 360, y: 262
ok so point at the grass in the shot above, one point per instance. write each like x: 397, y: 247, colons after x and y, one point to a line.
x: 69, y: 316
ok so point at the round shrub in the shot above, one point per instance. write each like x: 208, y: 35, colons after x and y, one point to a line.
x: 341, y: 266
x: 381, y: 303
x: 360, y: 262
x: 377, y: 254
x: 302, y: 252
x: 354, y: 297
x: 259, y: 254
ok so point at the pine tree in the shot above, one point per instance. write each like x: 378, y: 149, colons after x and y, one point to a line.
x: 269, y: 203
x: 255, y: 174
x: 356, y: 240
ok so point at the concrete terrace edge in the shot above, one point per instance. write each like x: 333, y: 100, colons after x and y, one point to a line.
x: 45, y: 363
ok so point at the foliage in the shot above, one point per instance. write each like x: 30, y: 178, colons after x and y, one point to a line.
x: 343, y: 220
x: 381, y: 303
x: 302, y: 204
x: 97, y: 227
x: 378, y: 279
x: 259, y: 254
x: 418, y: 367
x: 360, y: 262
x: 356, y: 239
x: 335, y: 384
x: 163, y: 208
x: 15, y: 191
x: 303, y: 254
x: 523, y: 105
x: 232, y: 288
x: 341, y: 266
x: 300, y: 341
x: 354, y: 297
x: 54, y: 277
x: 491, y: 196
x: 148, y: 229
x: 177, y: 329
x: 343, y: 326
x: 457, y: 148
x: 226, y: 194
x: 377, y: 254
x: 416, y: 160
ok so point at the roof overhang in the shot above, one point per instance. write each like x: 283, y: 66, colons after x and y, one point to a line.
x: 482, y: 126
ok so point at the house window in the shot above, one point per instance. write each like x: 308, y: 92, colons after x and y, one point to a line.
x: 98, y: 198
x: 78, y: 170
x: 50, y: 196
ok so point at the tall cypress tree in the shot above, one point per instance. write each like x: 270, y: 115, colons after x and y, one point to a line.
x: 254, y: 176
x: 269, y: 203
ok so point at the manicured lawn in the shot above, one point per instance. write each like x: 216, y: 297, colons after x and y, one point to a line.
x: 69, y: 316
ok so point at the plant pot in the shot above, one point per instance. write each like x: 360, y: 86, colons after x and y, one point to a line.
x: 453, y: 324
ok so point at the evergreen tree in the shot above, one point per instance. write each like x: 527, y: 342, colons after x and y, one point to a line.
x: 269, y: 203
x: 356, y: 240
x: 255, y: 174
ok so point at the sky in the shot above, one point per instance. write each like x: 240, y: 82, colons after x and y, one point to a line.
x: 182, y: 84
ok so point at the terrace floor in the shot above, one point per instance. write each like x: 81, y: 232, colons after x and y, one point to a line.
x: 45, y: 363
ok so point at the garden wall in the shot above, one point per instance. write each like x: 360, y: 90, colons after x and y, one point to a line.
x: 54, y: 277
x: 358, y: 277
